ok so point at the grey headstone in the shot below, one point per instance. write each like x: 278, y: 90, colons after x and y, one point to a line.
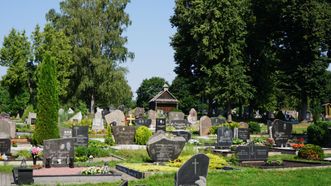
x: 70, y: 111
x: 176, y: 116
x: 252, y: 152
x: 59, y: 151
x: 205, y: 125
x: 216, y: 121
x: 185, y: 134
x: 152, y: 116
x: 224, y: 137
x: 161, y: 124
x: 80, y: 135
x: 124, y: 134
x: 5, y: 145
x: 116, y: 116
x: 243, y: 133
x: 66, y: 133
x: 243, y: 125
x: 162, y: 148
x: 97, y: 120
x: 32, y: 117
x: 281, y: 132
x: 77, y: 117
x: 193, y: 172
x: 7, y: 128
x: 193, y: 116
x: 143, y: 122
x: 179, y: 124
x: 139, y: 112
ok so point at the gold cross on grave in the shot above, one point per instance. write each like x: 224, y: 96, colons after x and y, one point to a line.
x: 130, y: 118
x: 195, y: 163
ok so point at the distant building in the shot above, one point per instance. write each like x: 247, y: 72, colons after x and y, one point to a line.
x: 164, y: 100
x: 327, y: 107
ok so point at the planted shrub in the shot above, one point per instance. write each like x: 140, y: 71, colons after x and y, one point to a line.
x: 318, y: 133
x: 142, y: 135
x: 254, y: 127
x: 87, y: 151
x: 109, y: 137
x: 311, y: 152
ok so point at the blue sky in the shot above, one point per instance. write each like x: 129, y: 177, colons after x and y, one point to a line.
x: 149, y: 35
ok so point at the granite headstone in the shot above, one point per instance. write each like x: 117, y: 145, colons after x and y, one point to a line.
x: 98, y: 121
x: 80, y: 135
x: 175, y: 116
x: 66, y: 133
x: 77, y: 117
x: 224, y: 137
x: 161, y: 124
x: 179, y: 124
x: 185, y: 134
x: 193, y: 116
x: 252, y: 152
x: 143, y: 122
x: 32, y: 117
x: 7, y: 128
x: 216, y: 121
x: 139, y: 112
x: 281, y: 132
x: 124, y: 134
x: 5, y: 145
x: 59, y: 151
x: 205, y: 125
x: 152, y: 116
x: 116, y: 116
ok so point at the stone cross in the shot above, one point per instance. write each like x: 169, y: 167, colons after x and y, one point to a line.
x: 130, y: 118
x: 195, y: 163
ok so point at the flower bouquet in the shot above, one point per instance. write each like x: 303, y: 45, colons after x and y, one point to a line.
x: 35, y: 152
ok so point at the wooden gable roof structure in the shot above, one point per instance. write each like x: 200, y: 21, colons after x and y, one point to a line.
x: 164, y: 100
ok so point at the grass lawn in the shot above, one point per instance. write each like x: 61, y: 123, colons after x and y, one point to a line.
x: 6, y: 169
x: 247, y: 176
x: 300, y: 128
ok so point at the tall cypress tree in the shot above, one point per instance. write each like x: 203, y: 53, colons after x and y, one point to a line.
x: 47, y: 101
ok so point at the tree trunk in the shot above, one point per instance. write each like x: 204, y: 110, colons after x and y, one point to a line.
x: 228, y: 112
x: 303, y: 108
x: 92, y: 104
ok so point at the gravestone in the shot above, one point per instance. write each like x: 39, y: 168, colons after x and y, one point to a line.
x: 161, y: 124
x: 61, y: 111
x: 193, y: 172
x: 205, y: 125
x: 124, y: 134
x: 152, y: 116
x: 80, y: 135
x: 281, y: 132
x: 252, y: 152
x: 143, y: 122
x: 224, y: 137
x: 216, y: 121
x: 193, y: 116
x: 175, y: 116
x: 242, y: 133
x: 163, y: 148
x: 116, y: 117
x: 59, y: 151
x: 139, y: 112
x: 7, y: 128
x: 5, y: 145
x: 178, y: 124
x: 98, y: 121
x: 183, y: 133
x: 77, y: 117
x: 66, y: 133
x: 243, y: 125
x: 32, y: 118
x: 70, y: 111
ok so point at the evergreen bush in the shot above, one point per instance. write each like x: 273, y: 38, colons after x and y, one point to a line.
x: 311, y: 152
x: 142, y: 135
x: 318, y: 133
x: 254, y: 127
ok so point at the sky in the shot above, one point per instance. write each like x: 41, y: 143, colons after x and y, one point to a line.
x: 148, y: 36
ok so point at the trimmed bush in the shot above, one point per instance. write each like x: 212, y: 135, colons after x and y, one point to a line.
x: 318, y: 133
x: 254, y: 127
x: 109, y: 137
x: 142, y: 135
x: 311, y: 152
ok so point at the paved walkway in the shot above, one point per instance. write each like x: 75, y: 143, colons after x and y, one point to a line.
x: 6, y: 179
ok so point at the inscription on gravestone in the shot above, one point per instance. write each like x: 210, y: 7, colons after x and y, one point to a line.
x: 224, y: 137
x: 281, y: 132
x: 243, y: 133
x: 193, y: 172
x: 5, y: 145
x: 252, y: 152
x: 59, y: 151
x: 161, y: 124
x: 143, y: 122
x: 179, y: 124
x: 124, y: 134
x: 80, y: 133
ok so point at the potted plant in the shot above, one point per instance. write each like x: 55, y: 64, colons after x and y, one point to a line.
x: 35, y: 153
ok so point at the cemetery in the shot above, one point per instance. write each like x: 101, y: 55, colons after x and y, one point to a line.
x: 249, y: 104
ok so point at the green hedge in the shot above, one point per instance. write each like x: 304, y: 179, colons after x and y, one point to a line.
x: 318, y: 133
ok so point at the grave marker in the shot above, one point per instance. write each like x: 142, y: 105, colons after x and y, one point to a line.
x: 178, y: 124
x: 205, y: 125
x: 32, y: 118
x: 77, y: 117
x: 143, y: 122
x: 216, y: 121
x: 60, y: 152
x: 185, y: 134
x: 124, y: 134
x: 98, y: 121
x: 5, y: 145
x: 80, y: 135
x: 252, y: 152
x: 116, y: 116
x: 193, y: 116
x: 281, y: 132
x: 7, y: 128
x: 224, y: 137
x: 161, y: 124
x: 66, y: 133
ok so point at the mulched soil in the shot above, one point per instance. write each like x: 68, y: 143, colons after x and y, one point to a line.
x: 286, y: 164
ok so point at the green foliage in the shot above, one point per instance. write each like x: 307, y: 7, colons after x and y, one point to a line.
x: 232, y: 125
x: 148, y: 89
x: 109, y: 137
x: 93, y: 150
x: 48, y: 102
x: 98, y: 144
x: 237, y: 141
x: 318, y: 133
x: 24, y: 154
x: 28, y: 109
x: 311, y: 152
x: 142, y: 135
x: 254, y: 127
x: 215, y: 161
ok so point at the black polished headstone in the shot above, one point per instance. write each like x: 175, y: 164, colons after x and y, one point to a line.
x: 216, y: 121
x: 162, y: 148
x: 179, y: 124
x: 22, y: 176
x: 80, y: 133
x: 161, y: 124
x: 243, y: 133
x: 224, y: 137
x: 281, y: 132
x: 252, y: 152
x: 59, y: 151
x: 124, y: 134
x: 5, y: 145
x: 185, y: 134
x: 143, y: 122
x: 193, y: 172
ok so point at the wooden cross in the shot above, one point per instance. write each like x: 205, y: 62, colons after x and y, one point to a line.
x: 130, y: 118
x: 195, y: 163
